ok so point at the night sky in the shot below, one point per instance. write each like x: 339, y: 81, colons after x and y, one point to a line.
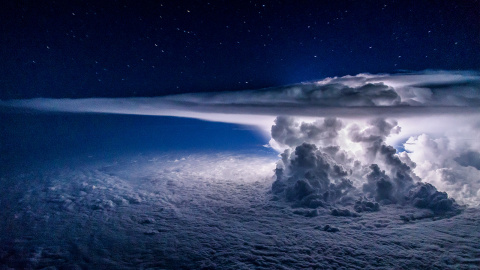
x: 334, y: 134
x: 78, y: 49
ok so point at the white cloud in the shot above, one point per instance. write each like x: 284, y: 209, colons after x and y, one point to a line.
x: 436, y: 164
x: 349, y: 160
x: 363, y: 95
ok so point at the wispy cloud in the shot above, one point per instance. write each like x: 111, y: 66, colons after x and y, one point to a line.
x: 400, y: 95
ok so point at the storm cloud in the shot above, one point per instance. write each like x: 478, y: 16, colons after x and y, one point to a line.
x: 353, y: 123
x: 314, y: 176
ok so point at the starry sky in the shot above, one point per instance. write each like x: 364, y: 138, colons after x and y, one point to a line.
x: 81, y: 49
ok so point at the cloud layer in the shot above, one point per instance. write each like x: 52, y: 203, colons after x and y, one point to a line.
x: 403, y: 94
x: 179, y: 212
x: 423, y: 89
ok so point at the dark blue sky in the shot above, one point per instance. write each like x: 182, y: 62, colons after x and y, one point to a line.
x: 35, y: 137
x: 150, y: 48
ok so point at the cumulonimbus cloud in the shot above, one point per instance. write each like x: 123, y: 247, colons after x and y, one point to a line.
x: 439, y: 103
x: 317, y: 170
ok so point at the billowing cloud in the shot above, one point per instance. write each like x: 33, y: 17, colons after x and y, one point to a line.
x: 288, y: 132
x: 329, y: 174
x: 441, y: 160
